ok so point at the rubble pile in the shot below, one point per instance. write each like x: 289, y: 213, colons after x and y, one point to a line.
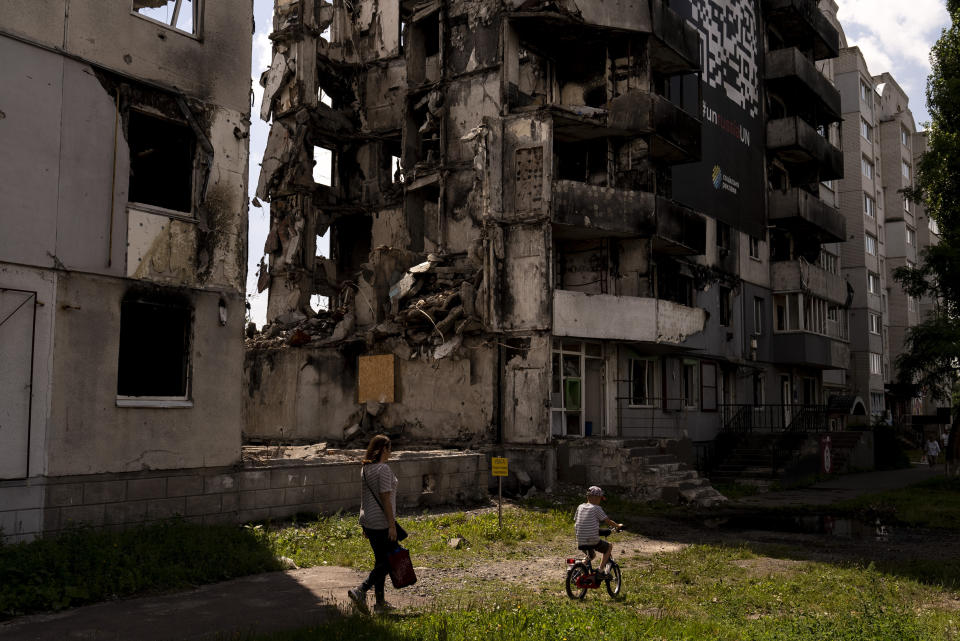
x: 431, y: 307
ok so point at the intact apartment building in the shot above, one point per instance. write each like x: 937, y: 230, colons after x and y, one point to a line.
x: 881, y: 145
x: 123, y: 163
x: 551, y: 221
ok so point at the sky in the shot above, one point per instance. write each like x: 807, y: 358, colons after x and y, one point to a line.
x: 894, y: 36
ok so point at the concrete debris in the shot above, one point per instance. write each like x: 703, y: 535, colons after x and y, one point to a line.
x: 447, y: 348
x: 287, y: 563
x: 351, y: 431
x: 374, y: 408
x: 457, y: 543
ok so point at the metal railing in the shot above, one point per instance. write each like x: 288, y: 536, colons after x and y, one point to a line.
x: 773, y: 418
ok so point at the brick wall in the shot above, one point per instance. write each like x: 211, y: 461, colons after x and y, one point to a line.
x: 227, y: 495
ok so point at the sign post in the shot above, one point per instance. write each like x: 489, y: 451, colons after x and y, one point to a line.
x: 498, y: 468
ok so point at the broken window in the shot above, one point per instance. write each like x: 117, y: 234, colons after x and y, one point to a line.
x: 154, y: 348
x: 726, y: 306
x: 161, y: 162
x: 642, y: 382
x: 323, y: 166
x: 351, y: 242
x: 182, y: 15
x: 423, y: 49
x: 584, y: 162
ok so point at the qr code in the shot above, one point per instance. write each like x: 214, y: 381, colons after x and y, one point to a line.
x: 728, y: 29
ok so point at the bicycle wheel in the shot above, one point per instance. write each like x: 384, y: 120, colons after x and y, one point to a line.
x: 614, y: 580
x: 573, y: 591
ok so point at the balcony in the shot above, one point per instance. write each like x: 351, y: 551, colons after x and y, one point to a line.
x: 808, y: 155
x: 674, y: 134
x: 801, y: 276
x: 799, y: 23
x: 810, y: 350
x: 627, y: 318
x: 803, y: 213
x: 589, y: 210
x: 674, y: 45
x: 792, y: 76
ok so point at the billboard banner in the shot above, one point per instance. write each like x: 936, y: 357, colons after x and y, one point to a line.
x: 728, y: 183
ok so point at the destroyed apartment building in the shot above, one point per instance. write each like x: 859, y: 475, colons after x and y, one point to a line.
x: 550, y: 220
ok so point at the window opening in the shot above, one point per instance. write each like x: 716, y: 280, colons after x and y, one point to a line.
x: 323, y: 162
x: 726, y: 316
x: 178, y: 14
x: 758, y: 316
x: 642, y: 382
x: 161, y: 162
x: 154, y: 348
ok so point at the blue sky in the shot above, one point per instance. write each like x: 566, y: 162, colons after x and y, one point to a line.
x: 894, y: 36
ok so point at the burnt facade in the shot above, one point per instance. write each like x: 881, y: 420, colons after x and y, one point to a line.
x: 541, y: 228
x: 123, y: 129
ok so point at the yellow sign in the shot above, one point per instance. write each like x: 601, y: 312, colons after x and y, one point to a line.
x: 498, y: 466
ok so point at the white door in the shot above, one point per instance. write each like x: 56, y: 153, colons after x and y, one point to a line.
x: 16, y: 360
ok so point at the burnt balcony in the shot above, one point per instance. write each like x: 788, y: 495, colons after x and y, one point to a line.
x: 801, y: 276
x: 799, y: 23
x: 801, y: 212
x: 674, y: 134
x: 675, y: 47
x: 808, y: 156
x: 674, y: 43
x: 588, y: 210
x: 795, y: 79
x: 809, y: 350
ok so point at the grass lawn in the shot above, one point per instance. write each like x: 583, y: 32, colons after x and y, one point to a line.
x: 86, y: 566
x: 701, y: 592
x: 934, y: 503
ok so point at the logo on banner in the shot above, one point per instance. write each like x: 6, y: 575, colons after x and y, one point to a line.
x: 717, y: 176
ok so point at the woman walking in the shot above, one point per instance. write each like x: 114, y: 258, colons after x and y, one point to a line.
x: 378, y: 508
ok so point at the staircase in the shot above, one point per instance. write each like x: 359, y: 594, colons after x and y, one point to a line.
x: 662, y: 477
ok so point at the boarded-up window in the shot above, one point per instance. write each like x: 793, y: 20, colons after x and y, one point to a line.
x: 376, y: 379
x: 529, y: 179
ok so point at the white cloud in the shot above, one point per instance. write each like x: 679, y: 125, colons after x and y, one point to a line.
x: 896, y: 36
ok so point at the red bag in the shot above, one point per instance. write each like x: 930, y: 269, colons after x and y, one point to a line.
x: 401, y: 569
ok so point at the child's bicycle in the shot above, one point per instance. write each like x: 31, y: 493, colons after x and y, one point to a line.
x: 581, y: 576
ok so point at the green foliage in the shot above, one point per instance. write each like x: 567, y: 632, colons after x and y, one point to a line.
x: 703, y: 592
x: 934, y: 503
x: 84, y: 566
x: 339, y: 540
x: 933, y: 347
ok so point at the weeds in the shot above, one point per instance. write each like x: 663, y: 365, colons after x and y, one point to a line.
x: 84, y: 566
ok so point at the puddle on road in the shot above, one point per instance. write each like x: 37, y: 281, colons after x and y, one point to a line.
x: 810, y: 524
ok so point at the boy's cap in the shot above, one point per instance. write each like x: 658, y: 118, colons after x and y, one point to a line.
x: 595, y: 490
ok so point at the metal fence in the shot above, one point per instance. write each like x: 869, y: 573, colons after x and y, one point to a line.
x: 774, y: 418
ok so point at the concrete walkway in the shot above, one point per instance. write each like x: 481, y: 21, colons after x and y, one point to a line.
x: 261, y: 603
x: 845, y: 487
x: 300, y: 598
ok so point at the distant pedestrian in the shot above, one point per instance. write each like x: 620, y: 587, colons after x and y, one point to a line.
x: 378, y: 509
x: 932, y: 450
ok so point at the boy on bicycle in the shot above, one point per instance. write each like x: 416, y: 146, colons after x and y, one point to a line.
x: 587, y: 525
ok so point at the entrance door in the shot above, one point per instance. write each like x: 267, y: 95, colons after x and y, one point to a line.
x: 17, y: 309
x: 593, y: 406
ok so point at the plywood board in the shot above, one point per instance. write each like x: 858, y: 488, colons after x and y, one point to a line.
x: 376, y: 379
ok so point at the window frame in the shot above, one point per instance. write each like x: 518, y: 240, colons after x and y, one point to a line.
x: 870, y: 243
x: 866, y: 131
x: 758, y: 316
x: 866, y: 167
x: 184, y: 400
x: 198, y: 11
x: 869, y: 205
x: 754, y: 247
x: 876, y: 324
x: 876, y: 360
x: 873, y: 277
x: 650, y: 380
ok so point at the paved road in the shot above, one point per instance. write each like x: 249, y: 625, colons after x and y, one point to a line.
x: 300, y: 598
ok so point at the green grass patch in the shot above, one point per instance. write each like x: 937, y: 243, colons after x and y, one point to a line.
x: 84, y: 566
x: 702, y: 592
x: 339, y: 540
x: 934, y: 503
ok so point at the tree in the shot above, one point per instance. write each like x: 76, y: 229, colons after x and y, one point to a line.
x: 931, y: 359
